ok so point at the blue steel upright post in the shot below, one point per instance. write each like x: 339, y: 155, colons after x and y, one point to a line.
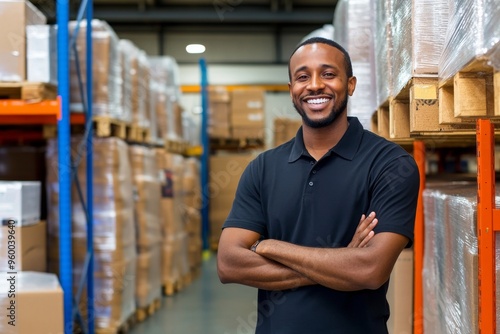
x: 204, y: 156
x: 64, y: 164
x: 90, y: 176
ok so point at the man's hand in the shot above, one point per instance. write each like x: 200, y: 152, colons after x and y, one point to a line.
x: 364, y: 231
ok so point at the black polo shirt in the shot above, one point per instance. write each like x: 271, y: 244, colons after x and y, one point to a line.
x: 285, y: 194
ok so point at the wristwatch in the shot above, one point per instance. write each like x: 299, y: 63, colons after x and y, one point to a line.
x: 254, y: 246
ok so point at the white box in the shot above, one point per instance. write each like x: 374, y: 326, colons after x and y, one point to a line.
x: 15, y: 16
x: 20, y: 201
x: 41, y: 53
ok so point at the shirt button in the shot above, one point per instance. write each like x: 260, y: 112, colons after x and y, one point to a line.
x: 311, y: 183
x: 314, y: 171
x: 312, y: 162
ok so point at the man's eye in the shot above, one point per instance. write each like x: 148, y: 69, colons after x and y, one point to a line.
x: 329, y: 75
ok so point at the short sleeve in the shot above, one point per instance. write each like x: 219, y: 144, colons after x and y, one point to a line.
x: 394, y: 196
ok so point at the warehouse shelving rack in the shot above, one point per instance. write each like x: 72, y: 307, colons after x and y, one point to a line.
x: 488, y: 224
x: 19, y: 112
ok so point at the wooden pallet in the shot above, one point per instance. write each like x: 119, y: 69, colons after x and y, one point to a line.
x: 175, y: 146
x: 235, y: 143
x: 138, y: 134
x: 122, y: 329
x: 172, y: 287
x: 415, y: 114
x: 28, y: 91
x: 472, y: 92
x: 103, y: 126
x: 143, y: 313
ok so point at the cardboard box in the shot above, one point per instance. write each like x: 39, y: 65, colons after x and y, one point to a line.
x: 15, y: 16
x: 20, y: 202
x: 400, y: 295
x: 41, y: 51
x: 248, y: 132
x: 29, y: 246
x: 285, y: 129
x: 35, y: 307
x: 225, y: 173
x: 247, y: 107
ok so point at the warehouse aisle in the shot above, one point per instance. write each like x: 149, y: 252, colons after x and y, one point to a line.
x: 204, y: 307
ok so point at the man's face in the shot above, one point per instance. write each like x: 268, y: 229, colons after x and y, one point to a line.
x: 319, y: 85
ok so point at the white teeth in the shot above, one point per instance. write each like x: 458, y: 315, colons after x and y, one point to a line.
x: 318, y: 101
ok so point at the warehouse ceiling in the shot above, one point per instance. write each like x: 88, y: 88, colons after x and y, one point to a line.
x: 277, y: 17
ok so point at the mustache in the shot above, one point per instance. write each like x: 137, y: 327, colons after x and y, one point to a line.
x: 316, y: 95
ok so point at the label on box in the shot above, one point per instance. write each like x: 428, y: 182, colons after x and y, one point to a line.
x: 254, y: 104
x: 255, y: 117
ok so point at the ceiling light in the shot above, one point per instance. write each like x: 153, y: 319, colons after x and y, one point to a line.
x: 195, y: 48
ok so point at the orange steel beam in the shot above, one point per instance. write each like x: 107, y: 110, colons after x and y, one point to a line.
x: 418, y: 243
x: 485, y: 230
x: 271, y: 88
x: 21, y: 112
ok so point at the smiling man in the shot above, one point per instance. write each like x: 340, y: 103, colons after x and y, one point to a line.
x: 294, y: 230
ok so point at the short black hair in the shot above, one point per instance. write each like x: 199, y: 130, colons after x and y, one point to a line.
x: 313, y: 40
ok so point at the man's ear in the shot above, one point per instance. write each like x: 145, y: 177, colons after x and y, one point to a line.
x: 351, y: 85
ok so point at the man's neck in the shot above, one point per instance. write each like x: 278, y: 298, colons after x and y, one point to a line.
x: 319, y: 141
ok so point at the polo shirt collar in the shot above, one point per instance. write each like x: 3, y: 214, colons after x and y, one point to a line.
x: 346, y: 147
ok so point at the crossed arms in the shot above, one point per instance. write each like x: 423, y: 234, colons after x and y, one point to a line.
x: 277, y: 265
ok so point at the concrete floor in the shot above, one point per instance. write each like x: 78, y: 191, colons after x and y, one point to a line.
x: 204, y: 307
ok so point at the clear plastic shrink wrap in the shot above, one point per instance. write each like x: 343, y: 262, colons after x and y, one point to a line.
x: 418, y: 31
x: 465, y: 36
x: 148, y: 224
x: 165, y: 74
x: 114, y: 230
x: 106, y: 70
x: 492, y: 32
x: 354, y: 31
x: 383, y: 46
x: 175, y: 258
x: 450, y: 273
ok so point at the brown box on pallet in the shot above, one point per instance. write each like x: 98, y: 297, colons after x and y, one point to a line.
x: 148, y: 277
x: 251, y: 132
x: 30, y: 247
x: 225, y: 173
x: 400, y: 294
x: 38, y: 304
x: 15, y: 15
x: 247, y: 108
x: 285, y: 129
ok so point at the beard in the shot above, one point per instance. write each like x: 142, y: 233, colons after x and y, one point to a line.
x: 330, y: 119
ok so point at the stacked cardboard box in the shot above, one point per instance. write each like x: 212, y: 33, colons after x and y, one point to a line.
x: 15, y: 16
x: 219, y: 125
x: 106, y: 71
x: 450, y: 272
x: 192, y: 204
x: 114, y: 240
x: 166, y: 95
x: 247, y: 113
x: 225, y: 173
x: 34, y: 306
x: 133, y: 71
x: 148, y: 224
x: 400, y: 295
x: 285, y: 129
x: 175, y: 264
x: 353, y: 23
